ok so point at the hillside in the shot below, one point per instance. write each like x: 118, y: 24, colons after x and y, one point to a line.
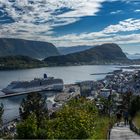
x: 19, y: 62
x: 35, y: 49
x: 102, y: 54
x: 73, y: 49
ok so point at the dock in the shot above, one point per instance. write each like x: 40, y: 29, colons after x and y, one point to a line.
x: 66, y: 89
x: 23, y: 93
x: 101, y: 73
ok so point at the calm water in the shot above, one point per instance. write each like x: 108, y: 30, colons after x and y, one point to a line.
x: 69, y: 74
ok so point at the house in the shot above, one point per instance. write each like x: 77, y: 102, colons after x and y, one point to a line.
x: 105, y: 92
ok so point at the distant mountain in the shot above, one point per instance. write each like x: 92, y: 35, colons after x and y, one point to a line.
x: 102, y: 54
x: 133, y: 56
x: 19, y: 62
x: 137, y: 53
x: 73, y: 49
x: 35, y: 49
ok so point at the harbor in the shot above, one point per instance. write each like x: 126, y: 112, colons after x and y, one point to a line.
x: 117, y: 83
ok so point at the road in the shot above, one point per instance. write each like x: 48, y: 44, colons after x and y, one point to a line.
x: 122, y: 132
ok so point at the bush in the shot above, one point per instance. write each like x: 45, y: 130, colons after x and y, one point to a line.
x: 134, y: 106
x: 137, y: 120
x: 78, y: 119
x: 28, y: 128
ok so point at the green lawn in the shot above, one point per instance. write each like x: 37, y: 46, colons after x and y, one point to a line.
x: 137, y: 120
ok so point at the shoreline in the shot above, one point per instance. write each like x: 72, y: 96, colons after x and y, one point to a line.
x: 69, y: 65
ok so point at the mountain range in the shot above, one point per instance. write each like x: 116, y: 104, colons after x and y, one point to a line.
x: 34, y: 49
x: 101, y: 54
x: 14, y: 52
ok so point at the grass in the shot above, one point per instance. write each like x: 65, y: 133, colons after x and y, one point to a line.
x: 102, y: 127
x: 137, y: 120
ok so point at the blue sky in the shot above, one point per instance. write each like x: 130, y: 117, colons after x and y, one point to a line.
x: 73, y: 22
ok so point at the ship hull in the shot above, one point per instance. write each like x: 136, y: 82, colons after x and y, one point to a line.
x: 52, y: 87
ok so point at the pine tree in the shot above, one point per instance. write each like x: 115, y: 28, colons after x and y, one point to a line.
x: 34, y: 103
x: 28, y: 128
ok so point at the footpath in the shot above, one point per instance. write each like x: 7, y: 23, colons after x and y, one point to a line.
x: 123, y: 132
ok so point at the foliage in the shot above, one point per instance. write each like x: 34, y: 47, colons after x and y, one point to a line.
x: 34, y: 103
x: 137, y: 120
x: 28, y: 128
x: 106, y: 53
x: 126, y: 100
x: 73, y: 121
x: 103, y: 124
x: 83, y: 104
x: 134, y: 106
x: 1, y: 113
x: 106, y: 103
x: 78, y: 119
x: 19, y: 62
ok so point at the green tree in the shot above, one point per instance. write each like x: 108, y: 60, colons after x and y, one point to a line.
x: 76, y: 120
x: 134, y: 106
x: 34, y: 103
x: 126, y: 100
x: 1, y: 113
x: 28, y: 128
x: 107, y: 104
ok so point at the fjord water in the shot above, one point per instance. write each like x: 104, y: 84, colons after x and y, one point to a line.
x: 69, y: 74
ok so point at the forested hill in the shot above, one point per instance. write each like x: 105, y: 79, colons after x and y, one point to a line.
x: 106, y: 53
x: 35, y: 49
x: 19, y: 62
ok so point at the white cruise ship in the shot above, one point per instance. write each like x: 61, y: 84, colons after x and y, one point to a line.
x: 36, y: 85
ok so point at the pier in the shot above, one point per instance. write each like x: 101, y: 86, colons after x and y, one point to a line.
x: 14, y: 94
x: 102, y: 73
x: 22, y: 93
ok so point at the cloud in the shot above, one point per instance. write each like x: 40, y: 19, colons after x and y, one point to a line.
x: 123, y: 26
x: 95, y: 39
x: 138, y: 10
x: 82, y: 8
x: 116, y: 12
x: 43, y: 33
x: 111, y: 33
x: 30, y: 11
x: 30, y: 18
x: 35, y: 20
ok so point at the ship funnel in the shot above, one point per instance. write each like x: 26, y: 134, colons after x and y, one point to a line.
x: 45, y: 75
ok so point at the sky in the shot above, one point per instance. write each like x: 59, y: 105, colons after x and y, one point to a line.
x: 68, y: 23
